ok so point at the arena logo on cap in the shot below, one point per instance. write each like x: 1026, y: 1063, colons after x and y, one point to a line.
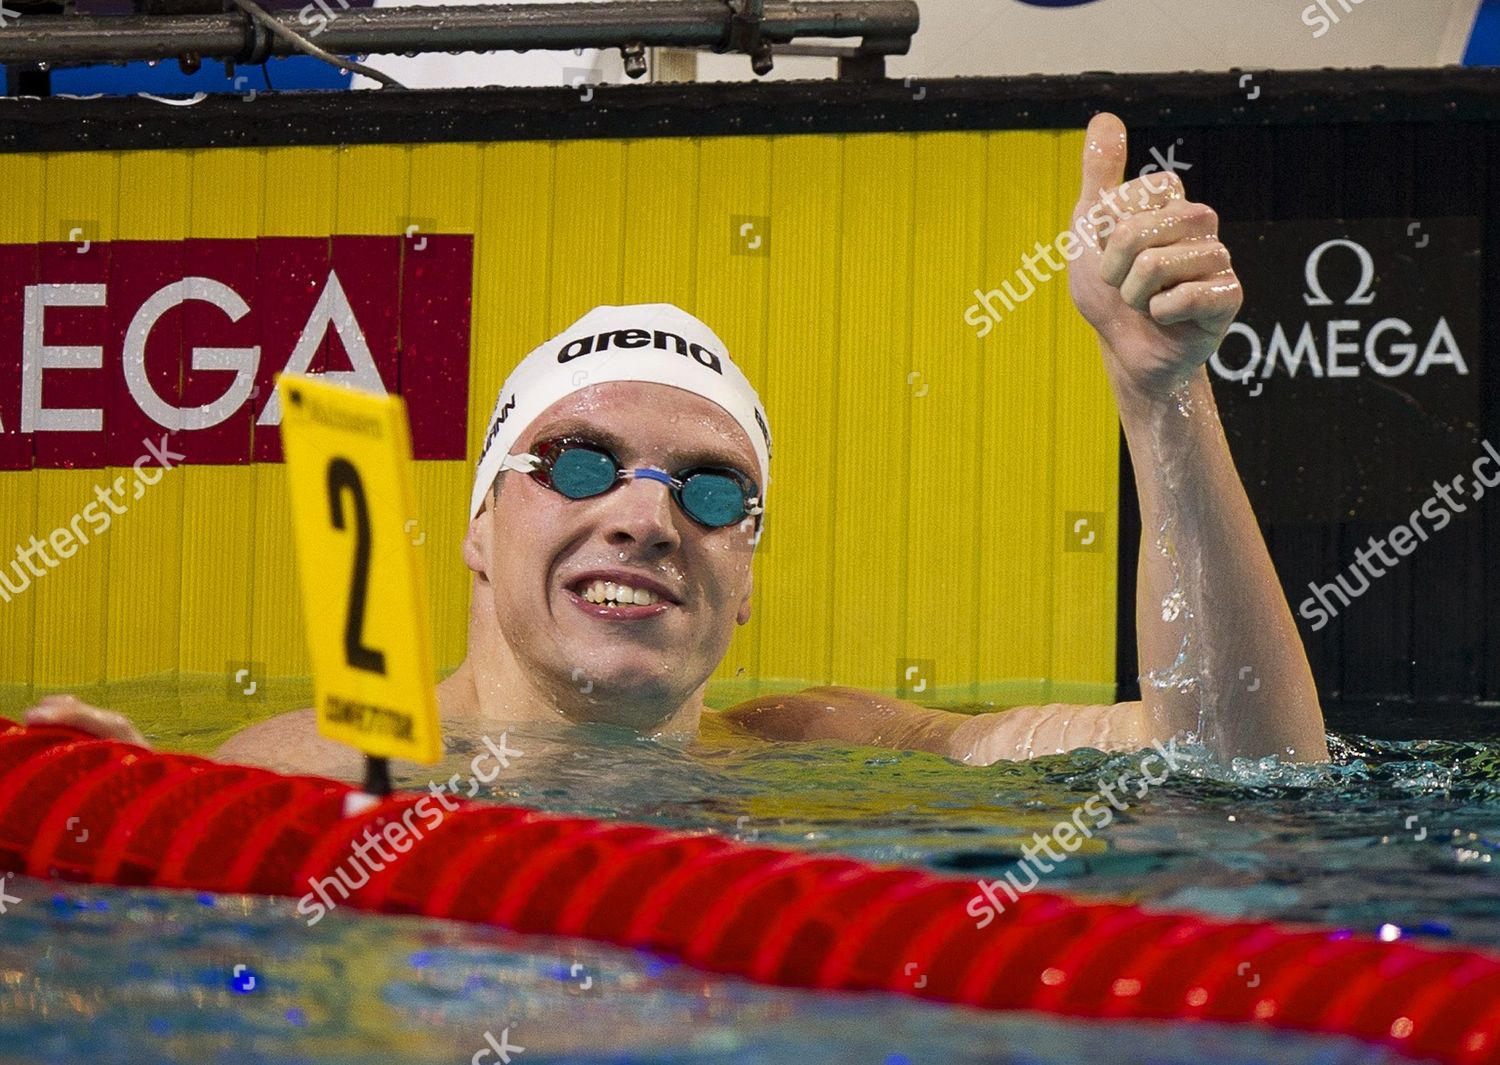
x: 495, y: 424
x: 760, y: 422
x: 638, y: 338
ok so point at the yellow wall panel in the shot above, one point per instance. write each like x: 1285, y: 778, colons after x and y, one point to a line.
x: 661, y: 208
x: 155, y: 189
x: 1041, y: 373
x: 512, y: 270
x: 446, y: 188
x: 868, y: 477
x: 72, y: 599
x: 228, y: 197
x: 143, y: 578
x: 943, y: 387
x: 794, y: 561
x: 588, y: 230
x: 81, y: 191
x: 442, y: 495
x: 372, y: 182
x: 1019, y: 367
x: 300, y: 192
x: 218, y: 523
x: 276, y: 632
x: 1083, y: 598
x: 18, y: 501
x: 26, y: 186
x: 731, y: 245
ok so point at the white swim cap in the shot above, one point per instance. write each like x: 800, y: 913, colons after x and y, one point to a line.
x: 654, y: 342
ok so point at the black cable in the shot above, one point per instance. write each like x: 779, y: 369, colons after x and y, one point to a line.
x: 302, y: 44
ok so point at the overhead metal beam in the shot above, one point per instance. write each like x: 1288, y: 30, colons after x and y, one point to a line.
x: 885, y: 27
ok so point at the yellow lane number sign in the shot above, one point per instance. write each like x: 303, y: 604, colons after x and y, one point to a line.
x: 364, y: 593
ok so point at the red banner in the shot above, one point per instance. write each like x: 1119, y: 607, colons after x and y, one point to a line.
x: 106, y: 344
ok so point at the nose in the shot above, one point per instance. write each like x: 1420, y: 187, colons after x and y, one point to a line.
x: 641, y: 513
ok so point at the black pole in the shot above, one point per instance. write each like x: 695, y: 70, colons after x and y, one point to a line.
x: 377, y: 776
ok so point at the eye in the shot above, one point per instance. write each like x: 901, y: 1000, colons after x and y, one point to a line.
x: 580, y: 470
x: 714, y: 499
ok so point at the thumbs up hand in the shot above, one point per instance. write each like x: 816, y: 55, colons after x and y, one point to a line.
x: 1155, y: 283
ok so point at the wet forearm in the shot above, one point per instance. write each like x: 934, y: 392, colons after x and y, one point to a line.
x: 1219, y: 653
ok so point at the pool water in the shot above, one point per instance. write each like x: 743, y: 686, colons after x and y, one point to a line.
x: 1404, y: 834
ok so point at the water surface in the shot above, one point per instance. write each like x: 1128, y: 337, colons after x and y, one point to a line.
x: 1402, y: 834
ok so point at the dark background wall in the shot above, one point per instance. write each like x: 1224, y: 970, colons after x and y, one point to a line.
x: 1328, y: 463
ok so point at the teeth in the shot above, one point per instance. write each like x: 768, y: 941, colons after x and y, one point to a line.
x: 619, y: 594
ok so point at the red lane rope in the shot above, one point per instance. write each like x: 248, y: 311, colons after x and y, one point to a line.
x: 77, y: 808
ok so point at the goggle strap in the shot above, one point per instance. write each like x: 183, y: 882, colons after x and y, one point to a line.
x: 521, y: 463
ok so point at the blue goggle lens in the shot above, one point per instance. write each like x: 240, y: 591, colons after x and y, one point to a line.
x: 580, y: 472
x: 713, y: 499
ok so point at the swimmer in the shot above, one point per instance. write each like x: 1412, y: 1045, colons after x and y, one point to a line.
x: 625, y: 474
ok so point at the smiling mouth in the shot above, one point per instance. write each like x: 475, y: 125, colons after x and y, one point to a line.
x: 609, y: 593
x: 616, y: 601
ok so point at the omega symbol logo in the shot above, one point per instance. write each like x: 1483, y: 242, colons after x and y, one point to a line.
x: 1317, y: 296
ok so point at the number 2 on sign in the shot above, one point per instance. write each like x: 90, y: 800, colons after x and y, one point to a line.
x: 343, y: 477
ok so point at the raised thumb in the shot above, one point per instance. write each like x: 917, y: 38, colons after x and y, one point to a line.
x: 1104, y: 147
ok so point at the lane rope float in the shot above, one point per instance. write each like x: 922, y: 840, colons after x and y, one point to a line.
x: 772, y: 915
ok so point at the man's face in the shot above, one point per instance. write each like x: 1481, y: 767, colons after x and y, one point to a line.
x: 538, y: 552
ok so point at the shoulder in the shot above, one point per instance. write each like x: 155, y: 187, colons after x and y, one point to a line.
x: 844, y: 715
x: 290, y: 743
x: 770, y: 717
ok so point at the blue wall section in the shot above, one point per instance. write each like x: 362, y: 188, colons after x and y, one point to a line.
x: 1484, y: 43
x: 167, y: 79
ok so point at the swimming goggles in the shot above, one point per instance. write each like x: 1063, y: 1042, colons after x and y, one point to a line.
x: 579, y: 468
